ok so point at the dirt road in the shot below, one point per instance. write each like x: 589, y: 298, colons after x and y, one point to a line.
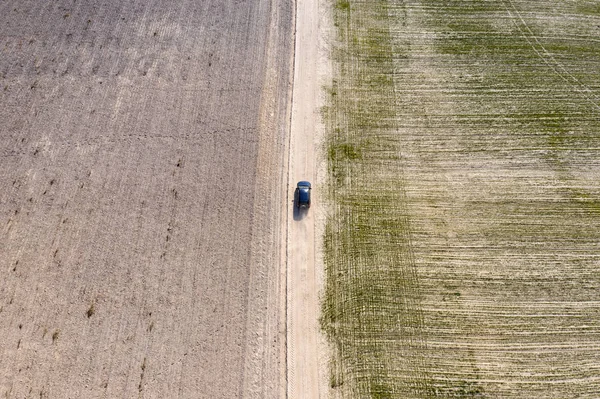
x: 305, y: 371
x: 142, y: 164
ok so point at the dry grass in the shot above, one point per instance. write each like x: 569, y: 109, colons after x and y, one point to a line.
x: 461, y: 249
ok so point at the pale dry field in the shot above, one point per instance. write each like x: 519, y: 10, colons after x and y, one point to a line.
x: 462, y: 244
x: 142, y: 154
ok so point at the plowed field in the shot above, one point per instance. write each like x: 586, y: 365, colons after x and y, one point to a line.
x: 142, y: 150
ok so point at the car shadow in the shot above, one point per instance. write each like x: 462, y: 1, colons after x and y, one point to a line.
x: 299, y: 213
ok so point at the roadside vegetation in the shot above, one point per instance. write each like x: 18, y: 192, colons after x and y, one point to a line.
x: 461, y: 244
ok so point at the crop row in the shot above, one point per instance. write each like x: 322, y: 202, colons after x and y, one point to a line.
x: 462, y: 240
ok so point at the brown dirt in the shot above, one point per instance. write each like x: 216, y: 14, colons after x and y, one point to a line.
x: 141, y: 163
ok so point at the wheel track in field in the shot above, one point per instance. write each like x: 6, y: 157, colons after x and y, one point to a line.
x: 547, y: 57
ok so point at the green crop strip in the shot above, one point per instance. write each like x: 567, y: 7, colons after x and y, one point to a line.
x: 461, y: 245
x: 371, y: 306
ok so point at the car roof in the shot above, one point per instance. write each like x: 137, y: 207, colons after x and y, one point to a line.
x: 304, y: 183
x: 304, y: 195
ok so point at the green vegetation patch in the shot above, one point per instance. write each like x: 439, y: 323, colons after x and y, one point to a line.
x: 461, y: 246
x: 371, y: 300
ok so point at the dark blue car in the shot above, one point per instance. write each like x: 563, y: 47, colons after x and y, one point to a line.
x: 303, y: 194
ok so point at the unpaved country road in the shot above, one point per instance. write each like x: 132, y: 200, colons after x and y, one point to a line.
x: 306, y: 373
x: 142, y: 166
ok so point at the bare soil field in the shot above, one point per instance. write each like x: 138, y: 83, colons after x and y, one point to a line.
x: 142, y: 166
x: 461, y: 247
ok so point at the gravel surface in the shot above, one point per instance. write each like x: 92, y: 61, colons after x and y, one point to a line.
x: 142, y: 146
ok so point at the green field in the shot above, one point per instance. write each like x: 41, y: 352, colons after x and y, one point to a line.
x: 462, y: 245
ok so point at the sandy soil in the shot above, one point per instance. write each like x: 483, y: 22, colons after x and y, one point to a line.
x: 142, y: 164
x: 306, y: 348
